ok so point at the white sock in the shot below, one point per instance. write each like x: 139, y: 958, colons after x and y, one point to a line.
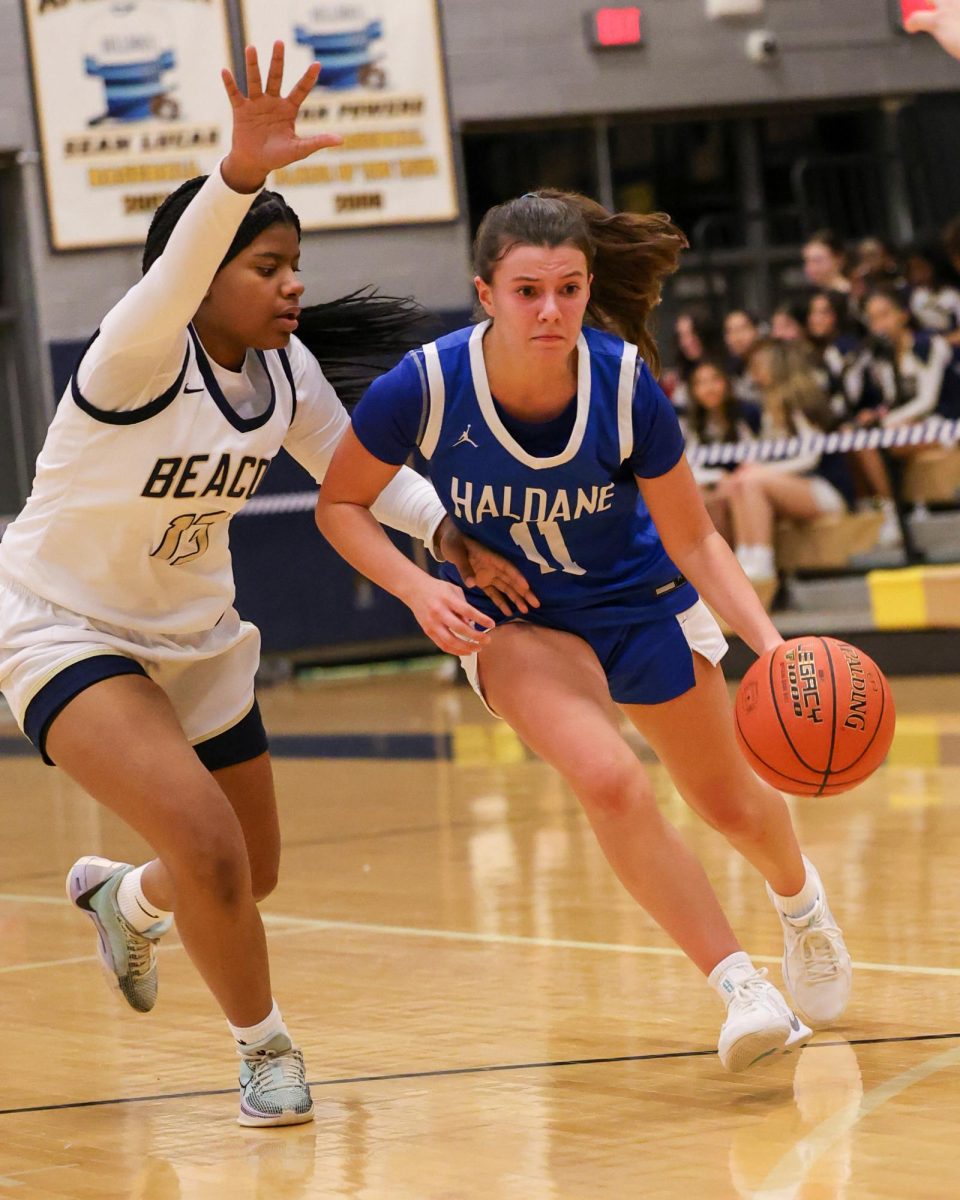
x: 744, y: 555
x: 137, y: 910
x: 250, y: 1037
x: 757, y: 561
x: 802, y: 903
x: 730, y: 972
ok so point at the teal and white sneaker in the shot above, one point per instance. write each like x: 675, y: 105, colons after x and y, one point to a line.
x: 129, y: 957
x: 273, y: 1085
x: 760, y: 1025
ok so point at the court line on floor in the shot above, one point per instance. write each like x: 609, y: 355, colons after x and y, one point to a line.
x: 322, y: 925
x: 506, y: 939
x: 14, y: 968
x: 798, y: 1163
x: 491, y: 1069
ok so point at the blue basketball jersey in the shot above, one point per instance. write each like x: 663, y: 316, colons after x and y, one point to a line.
x: 574, y: 523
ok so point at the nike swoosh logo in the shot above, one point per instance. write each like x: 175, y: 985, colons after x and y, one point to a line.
x: 83, y: 900
x: 189, y: 391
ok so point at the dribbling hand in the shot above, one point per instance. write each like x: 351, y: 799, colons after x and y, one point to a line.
x: 942, y: 22
x: 264, y: 123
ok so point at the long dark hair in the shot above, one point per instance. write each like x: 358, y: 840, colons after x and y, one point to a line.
x: 833, y: 242
x: 729, y: 412
x: 355, y: 337
x: 629, y: 254
x: 269, y: 208
x: 359, y: 336
x: 840, y: 309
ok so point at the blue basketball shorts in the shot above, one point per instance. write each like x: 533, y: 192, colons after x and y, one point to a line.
x: 649, y: 662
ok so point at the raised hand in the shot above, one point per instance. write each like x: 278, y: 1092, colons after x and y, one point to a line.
x: 264, y: 123
x: 487, y: 570
x: 942, y: 21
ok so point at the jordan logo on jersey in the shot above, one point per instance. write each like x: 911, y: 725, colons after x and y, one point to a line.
x: 465, y: 440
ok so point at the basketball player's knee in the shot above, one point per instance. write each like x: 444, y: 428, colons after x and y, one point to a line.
x: 613, y: 789
x: 745, y: 488
x: 217, y: 867
x: 224, y: 875
x: 738, y: 819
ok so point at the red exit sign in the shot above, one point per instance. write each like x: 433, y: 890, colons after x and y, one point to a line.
x: 614, y: 27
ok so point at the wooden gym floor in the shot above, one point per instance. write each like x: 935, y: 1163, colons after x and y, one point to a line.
x: 484, y: 1012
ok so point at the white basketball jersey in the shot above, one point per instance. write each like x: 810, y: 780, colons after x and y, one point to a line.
x: 128, y: 519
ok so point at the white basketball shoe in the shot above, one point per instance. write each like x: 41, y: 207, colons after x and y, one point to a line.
x: 760, y: 1025
x: 817, y: 970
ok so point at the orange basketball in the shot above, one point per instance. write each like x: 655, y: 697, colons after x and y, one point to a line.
x: 814, y: 717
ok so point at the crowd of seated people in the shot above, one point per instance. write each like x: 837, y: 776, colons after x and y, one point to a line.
x: 874, y: 341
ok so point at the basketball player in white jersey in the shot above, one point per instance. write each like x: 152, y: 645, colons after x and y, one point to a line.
x: 552, y: 444
x: 120, y: 651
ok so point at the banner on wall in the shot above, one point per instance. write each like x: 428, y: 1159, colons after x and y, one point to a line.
x: 382, y: 86
x: 129, y: 104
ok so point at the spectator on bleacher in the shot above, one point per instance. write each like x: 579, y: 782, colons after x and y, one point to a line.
x: 716, y: 416
x: 741, y: 332
x: 911, y: 374
x: 803, y: 487
x: 789, y: 322
x: 918, y: 372
x: 874, y: 265
x: 838, y: 352
x: 951, y: 244
x: 934, y: 300
x: 846, y: 373
x: 694, y: 338
x: 824, y: 262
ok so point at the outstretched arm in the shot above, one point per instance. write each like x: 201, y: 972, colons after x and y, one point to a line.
x: 942, y: 22
x: 264, y: 123
x: 142, y: 339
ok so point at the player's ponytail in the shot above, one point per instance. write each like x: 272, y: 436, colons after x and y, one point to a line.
x: 357, y: 337
x: 269, y: 208
x: 629, y: 255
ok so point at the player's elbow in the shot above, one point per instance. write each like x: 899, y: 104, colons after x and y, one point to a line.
x: 327, y: 512
x: 686, y: 547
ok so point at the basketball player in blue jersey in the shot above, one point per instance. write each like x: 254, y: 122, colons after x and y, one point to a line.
x: 120, y: 651
x: 551, y: 443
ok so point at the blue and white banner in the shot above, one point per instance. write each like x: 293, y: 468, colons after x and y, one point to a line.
x: 382, y: 86
x: 931, y: 432
x: 129, y: 104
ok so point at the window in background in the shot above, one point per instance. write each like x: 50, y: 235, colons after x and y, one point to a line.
x: 508, y: 162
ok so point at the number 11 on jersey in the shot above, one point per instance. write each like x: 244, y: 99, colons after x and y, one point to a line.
x: 552, y: 534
